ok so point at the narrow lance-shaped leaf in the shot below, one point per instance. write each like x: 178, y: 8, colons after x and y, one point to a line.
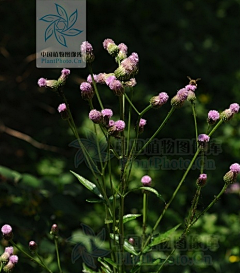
x: 89, y: 185
x: 128, y: 247
x: 164, y: 237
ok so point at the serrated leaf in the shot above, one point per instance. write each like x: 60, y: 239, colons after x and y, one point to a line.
x: 128, y: 247
x: 163, y: 237
x: 87, y: 184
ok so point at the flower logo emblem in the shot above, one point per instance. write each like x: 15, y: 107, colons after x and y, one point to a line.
x: 61, y: 25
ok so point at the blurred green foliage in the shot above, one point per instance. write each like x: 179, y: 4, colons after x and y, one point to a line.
x: 174, y: 39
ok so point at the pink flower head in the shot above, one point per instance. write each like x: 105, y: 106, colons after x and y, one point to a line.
x: 131, y: 83
x: 134, y: 59
x: 146, y: 181
x: 13, y: 259
x: 87, y: 52
x: 203, y: 138
x: 86, y: 47
x: 95, y: 116
x: 6, y: 229
x: 123, y: 48
x: 9, y: 250
x: 33, y: 245
x: 62, y: 107
x: 202, y: 180
x: 159, y: 100
x: 191, y: 87
x: 87, y: 91
x: 117, y: 87
x: 65, y: 72
x: 142, y: 122
x: 42, y: 82
x: 109, y: 80
x: 111, y: 123
x: 213, y: 116
x: 182, y: 94
x: 107, y: 113
x: 89, y: 78
x: 107, y: 43
x: 120, y: 125
x: 234, y: 107
x: 100, y: 78
x: 235, y: 168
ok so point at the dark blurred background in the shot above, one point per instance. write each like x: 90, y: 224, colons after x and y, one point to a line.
x: 174, y: 39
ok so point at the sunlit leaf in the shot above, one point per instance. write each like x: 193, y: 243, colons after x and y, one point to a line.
x: 164, y: 237
x: 89, y: 185
x: 128, y: 247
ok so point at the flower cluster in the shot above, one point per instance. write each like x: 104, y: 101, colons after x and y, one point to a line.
x: 8, y: 258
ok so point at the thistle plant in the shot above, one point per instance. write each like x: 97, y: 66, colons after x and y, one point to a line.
x: 125, y: 127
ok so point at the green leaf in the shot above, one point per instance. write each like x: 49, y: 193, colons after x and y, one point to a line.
x: 88, y: 270
x: 126, y: 218
x: 89, y: 185
x: 94, y: 200
x: 153, y: 191
x: 108, y: 260
x: 129, y: 217
x: 163, y: 237
x: 105, y: 266
x: 150, y: 189
x: 9, y: 174
x: 128, y: 247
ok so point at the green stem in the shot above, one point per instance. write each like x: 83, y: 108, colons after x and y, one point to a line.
x: 215, y: 127
x: 145, y: 196
x: 173, y: 196
x: 30, y: 257
x: 95, y: 87
x: 195, y: 121
x: 158, y: 130
x: 57, y: 253
x: 130, y: 102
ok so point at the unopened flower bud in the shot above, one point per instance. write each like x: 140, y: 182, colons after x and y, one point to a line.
x: 7, y: 232
x: 202, y: 180
x: 141, y: 125
x: 33, y: 246
x: 54, y: 229
x: 131, y: 241
x: 146, y: 181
